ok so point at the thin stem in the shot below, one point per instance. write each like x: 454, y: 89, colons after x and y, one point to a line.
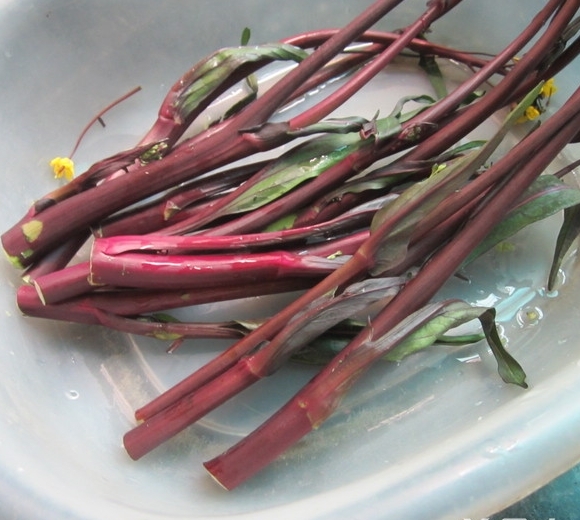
x: 99, y: 116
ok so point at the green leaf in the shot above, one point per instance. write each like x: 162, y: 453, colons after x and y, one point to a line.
x: 547, y: 196
x: 568, y: 233
x: 295, y: 167
x: 330, y: 309
x: 460, y: 339
x: 161, y: 317
x: 429, y: 64
x: 285, y: 222
x: 508, y: 368
x: 422, y: 197
x: 413, y: 205
x: 206, y: 78
x: 422, y: 328
x: 245, y: 38
x: 450, y: 315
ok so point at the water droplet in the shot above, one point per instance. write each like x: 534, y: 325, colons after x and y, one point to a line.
x: 500, y: 448
x: 559, y: 282
x: 529, y: 316
x: 502, y: 334
x: 72, y: 395
x: 474, y: 358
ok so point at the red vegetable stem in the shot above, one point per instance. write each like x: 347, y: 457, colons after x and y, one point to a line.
x: 64, y: 284
x: 170, y: 330
x: 59, y: 221
x: 435, y: 9
x: 82, y: 311
x: 193, y: 271
x: 154, y: 215
x: 74, y: 281
x: 133, y: 302
x: 58, y: 259
x: 418, y: 45
x: 316, y: 401
x: 179, y: 244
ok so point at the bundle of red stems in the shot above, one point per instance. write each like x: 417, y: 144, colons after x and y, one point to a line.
x: 174, y: 223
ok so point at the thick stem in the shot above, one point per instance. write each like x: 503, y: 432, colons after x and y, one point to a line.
x: 160, y: 271
x: 58, y: 259
x: 283, y: 431
x: 245, y: 243
x: 64, y: 284
x: 157, y: 214
x: 134, y: 302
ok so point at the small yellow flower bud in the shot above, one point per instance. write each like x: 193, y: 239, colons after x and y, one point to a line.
x: 549, y: 88
x: 532, y: 113
x: 63, y: 167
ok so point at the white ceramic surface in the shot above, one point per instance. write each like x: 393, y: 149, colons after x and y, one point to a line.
x: 438, y: 437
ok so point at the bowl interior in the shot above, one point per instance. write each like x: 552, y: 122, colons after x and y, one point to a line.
x: 437, y: 435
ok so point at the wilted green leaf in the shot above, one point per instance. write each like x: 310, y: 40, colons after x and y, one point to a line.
x: 429, y: 64
x: 423, y: 100
x: 344, y: 125
x: 422, y: 328
x: 450, y: 315
x: 568, y: 233
x: 545, y: 197
x: 329, y: 310
x: 213, y: 72
x: 295, y: 167
x: 509, y: 369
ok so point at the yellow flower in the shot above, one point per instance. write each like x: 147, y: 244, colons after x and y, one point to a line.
x: 532, y: 113
x: 63, y: 167
x: 549, y: 88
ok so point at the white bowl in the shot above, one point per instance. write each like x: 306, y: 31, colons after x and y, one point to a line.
x: 439, y: 436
